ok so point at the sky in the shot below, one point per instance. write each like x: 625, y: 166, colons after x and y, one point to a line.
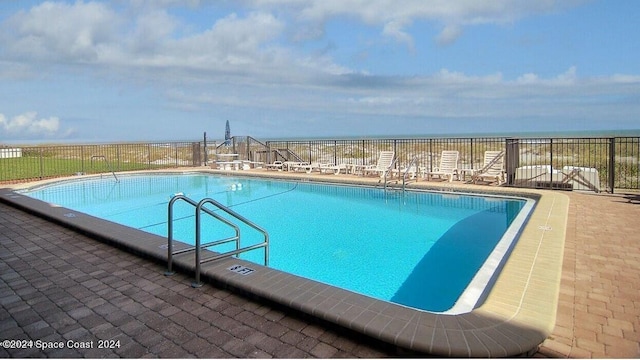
x: 162, y: 70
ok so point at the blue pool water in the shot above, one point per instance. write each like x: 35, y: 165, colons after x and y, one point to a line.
x: 418, y: 249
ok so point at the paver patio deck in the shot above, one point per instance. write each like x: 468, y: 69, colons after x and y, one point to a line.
x: 599, y: 305
x: 58, y: 285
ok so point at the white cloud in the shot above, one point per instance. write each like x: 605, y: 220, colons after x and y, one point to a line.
x: 626, y: 79
x: 456, y: 77
x: 249, y: 45
x: 53, y: 31
x: 93, y: 33
x: 231, y: 41
x: 528, y: 78
x: 154, y: 4
x: 451, y: 94
x: 28, y: 124
x: 449, y: 35
x: 151, y: 30
x: 569, y: 77
x: 10, y: 70
x: 245, y: 61
x: 394, y: 29
x: 393, y: 16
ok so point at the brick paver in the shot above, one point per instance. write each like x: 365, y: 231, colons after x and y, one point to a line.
x: 599, y: 304
x: 60, y: 286
x: 57, y: 285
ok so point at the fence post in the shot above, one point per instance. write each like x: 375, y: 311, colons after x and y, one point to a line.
x: 205, y: 149
x: 512, y: 157
x: 176, y: 148
x: 430, y: 155
x: 472, y: 158
x: 41, y: 165
x: 195, y: 156
x: 551, y: 162
x: 249, y: 157
x: 395, y: 151
x: 268, y: 157
x: 612, y: 164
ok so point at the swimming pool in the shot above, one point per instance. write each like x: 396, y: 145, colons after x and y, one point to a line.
x: 417, y: 249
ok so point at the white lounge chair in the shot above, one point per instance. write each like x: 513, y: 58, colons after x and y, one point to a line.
x: 382, y: 168
x: 581, y: 178
x: 321, y: 167
x: 338, y: 168
x: 448, y: 166
x: 276, y: 165
x: 229, y: 165
x: 492, y: 169
x: 294, y: 165
x: 537, y: 176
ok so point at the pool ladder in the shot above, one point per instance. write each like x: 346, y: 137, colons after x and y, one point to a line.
x: 385, y: 180
x: 413, y: 162
x: 199, y: 246
x: 107, y: 162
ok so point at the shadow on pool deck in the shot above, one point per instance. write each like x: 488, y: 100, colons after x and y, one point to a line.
x: 57, y: 285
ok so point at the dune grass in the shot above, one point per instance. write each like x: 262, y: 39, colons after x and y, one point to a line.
x: 41, y: 162
x: 29, y: 168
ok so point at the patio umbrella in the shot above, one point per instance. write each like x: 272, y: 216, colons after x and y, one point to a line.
x: 227, y: 134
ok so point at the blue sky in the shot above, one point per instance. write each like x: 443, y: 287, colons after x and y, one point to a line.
x: 102, y: 71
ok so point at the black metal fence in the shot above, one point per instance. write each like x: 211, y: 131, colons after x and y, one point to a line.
x: 581, y: 163
x: 363, y: 152
x: 28, y: 163
x: 611, y: 163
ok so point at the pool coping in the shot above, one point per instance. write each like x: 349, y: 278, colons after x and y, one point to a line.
x: 518, y: 314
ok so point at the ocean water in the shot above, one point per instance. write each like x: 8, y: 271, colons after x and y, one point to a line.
x: 218, y: 137
x: 454, y: 135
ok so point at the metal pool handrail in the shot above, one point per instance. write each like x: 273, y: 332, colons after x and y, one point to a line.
x: 170, y: 251
x: 404, y: 177
x: 199, y: 207
x: 386, y: 173
x: 108, y: 164
x: 238, y: 251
